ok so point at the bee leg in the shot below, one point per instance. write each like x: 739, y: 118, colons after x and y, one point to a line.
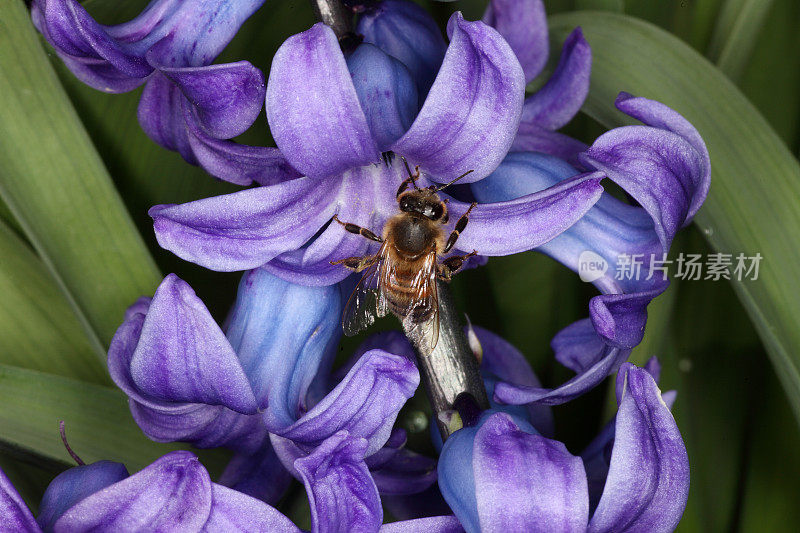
x: 410, y: 179
x: 451, y: 265
x: 357, y: 264
x: 358, y: 230
x: 460, y: 226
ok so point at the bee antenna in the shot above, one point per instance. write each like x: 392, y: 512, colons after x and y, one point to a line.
x: 411, y: 175
x: 437, y: 189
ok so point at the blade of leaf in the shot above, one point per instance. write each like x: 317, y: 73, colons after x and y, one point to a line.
x: 98, y: 422
x: 57, y: 188
x: 38, y: 329
x: 738, y: 26
x: 752, y: 207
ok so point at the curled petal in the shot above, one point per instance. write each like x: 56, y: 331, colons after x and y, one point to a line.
x: 188, y: 34
x: 365, y: 403
x: 238, y: 163
x: 75, y: 484
x: 597, y: 362
x: 285, y: 335
x: 523, y: 24
x: 552, y: 106
x: 504, y: 362
x: 406, y: 31
x: 183, y: 356
x: 225, y: 99
x: 366, y: 197
x: 245, y: 229
x: 341, y: 492
x: 534, y: 138
x: 14, y: 514
x: 386, y: 91
x: 470, y: 116
x: 308, y: 76
x: 664, y: 165
x: 161, y: 115
x: 233, y: 511
x: 549, y: 484
x: 433, y: 524
x: 513, y: 226
x: 648, y: 479
x: 173, y: 493
x: 260, y: 474
x: 405, y: 473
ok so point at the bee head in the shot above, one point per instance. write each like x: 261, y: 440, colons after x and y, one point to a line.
x: 424, y: 202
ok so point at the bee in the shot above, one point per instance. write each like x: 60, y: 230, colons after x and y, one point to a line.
x: 401, y: 277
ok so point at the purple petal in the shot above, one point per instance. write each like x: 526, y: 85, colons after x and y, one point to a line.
x: 366, y: 196
x: 549, y: 488
x: 340, y: 490
x: 523, y: 24
x: 663, y: 165
x: 606, y: 361
x: 513, y: 226
x: 365, y: 403
x: 285, y: 335
x: 506, y: 363
x: 14, y: 514
x: 189, y: 34
x: 260, y: 475
x: 386, y: 91
x: 406, y: 31
x: 577, y: 346
x: 433, y: 524
x: 562, y: 96
x: 239, y: 163
x: 172, y: 494
x: 233, y: 511
x: 534, y: 138
x: 75, y: 484
x: 225, y: 99
x: 183, y: 356
x: 98, y: 73
x: 394, y: 444
x: 245, y: 229
x: 168, y: 420
x: 308, y: 74
x: 406, y: 473
x: 205, y: 426
x: 471, y: 114
x: 161, y: 115
x: 648, y: 479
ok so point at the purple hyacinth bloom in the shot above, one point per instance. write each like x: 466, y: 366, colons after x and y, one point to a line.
x: 267, y: 380
x: 664, y: 166
x: 188, y: 104
x: 500, y: 475
x: 175, y: 493
x: 468, y: 121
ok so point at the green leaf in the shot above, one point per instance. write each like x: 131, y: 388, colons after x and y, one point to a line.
x: 98, y: 422
x: 38, y: 329
x: 738, y: 26
x: 55, y: 185
x: 752, y: 206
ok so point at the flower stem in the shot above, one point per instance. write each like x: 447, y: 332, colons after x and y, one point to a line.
x: 451, y: 370
x: 337, y: 16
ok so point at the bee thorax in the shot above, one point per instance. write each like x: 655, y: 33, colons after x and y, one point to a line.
x: 412, y: 236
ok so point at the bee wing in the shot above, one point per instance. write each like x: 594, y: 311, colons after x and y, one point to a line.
x: 424, y: 333
x: 365, y: 301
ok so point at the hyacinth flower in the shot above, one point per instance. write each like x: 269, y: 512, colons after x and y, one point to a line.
x: 499, y: 474
x: 188, y: 104
x: 175, y: 493
x: 269, y: 379
x: 664, y: 166
x: 468, y: 121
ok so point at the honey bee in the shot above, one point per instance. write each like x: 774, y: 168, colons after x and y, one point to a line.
x: 401, y: 277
